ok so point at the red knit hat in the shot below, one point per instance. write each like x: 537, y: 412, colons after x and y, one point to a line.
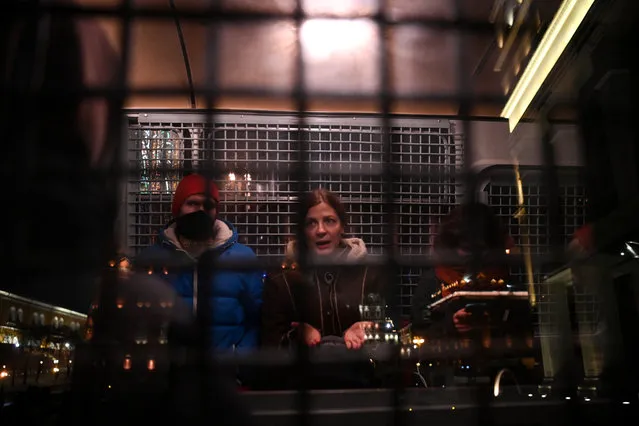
x: 191, y: 185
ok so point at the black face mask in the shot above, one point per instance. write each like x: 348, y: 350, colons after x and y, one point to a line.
x: 197, y: 226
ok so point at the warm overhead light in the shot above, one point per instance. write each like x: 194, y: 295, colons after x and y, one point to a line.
x: 340, y: 8
x: 321, y: 38
x: 562, y: 28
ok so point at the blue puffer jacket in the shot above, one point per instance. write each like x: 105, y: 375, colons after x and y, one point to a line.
x: 236, y: 295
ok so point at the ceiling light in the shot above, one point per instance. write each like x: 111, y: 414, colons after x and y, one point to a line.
x: 568, y: 18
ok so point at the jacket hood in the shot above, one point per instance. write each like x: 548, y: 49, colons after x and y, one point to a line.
x: 225, y: 236
x: 351, y: 250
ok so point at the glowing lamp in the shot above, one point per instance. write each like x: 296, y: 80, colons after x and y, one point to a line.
x: 563, y: 27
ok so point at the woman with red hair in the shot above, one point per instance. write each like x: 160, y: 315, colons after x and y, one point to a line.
x: 470, y: 229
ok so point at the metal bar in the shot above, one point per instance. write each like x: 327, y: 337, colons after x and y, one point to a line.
x: 300, y: 98
x: 36, y: 32
x: 210, y: 399
x: 385, y: 103
x: 256, y: 93
x: 484, y: 414
x: 384, y: 352
x: 409, y: 200
x: 401, y: 260
x: 217, y: 15
x: 273, y: 119
x: 109, y: 286
x: 89, y: 386
x: 569, y: 176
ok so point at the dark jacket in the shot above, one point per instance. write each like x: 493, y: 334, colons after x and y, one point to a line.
x: 235, y: 295
x: 328, y: 299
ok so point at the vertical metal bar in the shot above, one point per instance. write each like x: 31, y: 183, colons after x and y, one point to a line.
x: 385, y: 102
x: 470, y: 196
x: 88, y: 391
x: 27, y: 87
x: 207, y: 264
x: 301, y: 178
x: 470, y: 182
x: 108, y: 291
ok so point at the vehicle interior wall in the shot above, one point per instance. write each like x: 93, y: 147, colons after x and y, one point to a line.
x: 252, y: 144
x: 253, y: 156
x: 252, y: 64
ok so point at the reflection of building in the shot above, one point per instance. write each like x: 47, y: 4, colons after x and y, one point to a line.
x: 35, y: 335
x: 139, y: 324
x: 29, y: 322
x: 406, y: 335
x: 374, y: 310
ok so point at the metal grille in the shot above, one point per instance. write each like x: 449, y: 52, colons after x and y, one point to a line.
x: 256, y: 155
x: 398, y: 177
x: 503, y: 198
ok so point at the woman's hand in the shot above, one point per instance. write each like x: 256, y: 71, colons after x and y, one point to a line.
x: 309, y: 334
x: 465, y: 321
x: 356, y: 334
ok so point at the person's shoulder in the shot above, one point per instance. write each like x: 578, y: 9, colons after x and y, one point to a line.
x: 429, y: 273
x: 241, y: 250
x: 428, y: 280
x: 161, y: 255
x: 274, y: 278
x: 152, y: 252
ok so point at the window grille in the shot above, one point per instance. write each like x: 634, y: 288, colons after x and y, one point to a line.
x: 502, y: 197
x: 255, y: 156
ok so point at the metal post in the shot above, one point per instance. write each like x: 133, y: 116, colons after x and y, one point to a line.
x: 389, y: 174
x: 301, y: 178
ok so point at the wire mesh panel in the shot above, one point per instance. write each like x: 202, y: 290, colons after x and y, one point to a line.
x: 398, y: 177
x: 255, y: 158
x: 503, y: 197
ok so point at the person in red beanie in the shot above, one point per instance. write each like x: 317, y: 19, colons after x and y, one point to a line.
x: 190, y: 195
x: 72, y: 170
x: 233, y: 297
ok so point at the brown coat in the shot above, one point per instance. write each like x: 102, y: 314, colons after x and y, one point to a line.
x: 328, y: 299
